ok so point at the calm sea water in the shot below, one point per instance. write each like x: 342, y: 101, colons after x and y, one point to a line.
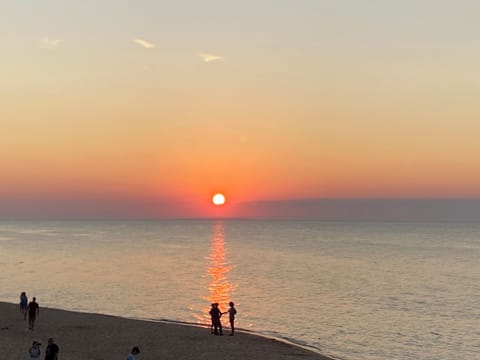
x: 353, y: 290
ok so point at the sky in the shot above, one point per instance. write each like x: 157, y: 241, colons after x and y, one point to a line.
x: 147, y: 108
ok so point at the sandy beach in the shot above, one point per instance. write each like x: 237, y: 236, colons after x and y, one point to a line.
x: 82, y: 336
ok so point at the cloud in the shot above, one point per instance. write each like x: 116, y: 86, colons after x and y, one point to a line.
x: 46, y: 43
x: 210, y: 57
x: 146, y: 44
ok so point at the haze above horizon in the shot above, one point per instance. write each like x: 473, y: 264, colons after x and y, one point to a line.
x: 147, y: 109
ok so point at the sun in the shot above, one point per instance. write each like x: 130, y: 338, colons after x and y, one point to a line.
x: 218, y: 199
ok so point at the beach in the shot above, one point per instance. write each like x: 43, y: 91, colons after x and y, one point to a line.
x: 82, y: 336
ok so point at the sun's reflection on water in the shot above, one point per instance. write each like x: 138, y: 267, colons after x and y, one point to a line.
x: 220, y: 289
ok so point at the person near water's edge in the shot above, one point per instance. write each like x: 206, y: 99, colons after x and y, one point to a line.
x: 33, y: 312
x: 231, y: 315
x: 215, y: 315
x: 24, y: 304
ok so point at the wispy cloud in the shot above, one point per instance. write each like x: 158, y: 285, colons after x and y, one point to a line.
x: 210, y: 57
x: 146, y: 44
x: 46, y: 43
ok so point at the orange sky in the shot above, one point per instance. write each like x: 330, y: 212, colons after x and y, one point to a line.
x: 310, y: 100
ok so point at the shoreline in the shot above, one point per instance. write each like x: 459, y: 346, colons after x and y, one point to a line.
x: 286, y: 340
x: 82, y: 336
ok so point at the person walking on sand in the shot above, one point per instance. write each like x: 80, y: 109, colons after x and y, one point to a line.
x: 135, y: 351
x: 33, y: 311
x: 34, y: 351
x: 24, y: 304
x: 231, y: 315
x: 216, y: 314
x: 51, y: 352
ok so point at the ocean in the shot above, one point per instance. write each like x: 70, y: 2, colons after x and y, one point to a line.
x: 353, y: 291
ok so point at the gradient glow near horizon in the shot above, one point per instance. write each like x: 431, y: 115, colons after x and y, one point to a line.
x: 155, y: 103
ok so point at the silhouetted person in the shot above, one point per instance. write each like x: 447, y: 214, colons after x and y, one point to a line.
x: 231, y: 316
x: 33, y: 311
x: 135, y: 351
x: 211, y: 318
x: 24, y: 304
x: 215, y: 314
x: 51, y: 352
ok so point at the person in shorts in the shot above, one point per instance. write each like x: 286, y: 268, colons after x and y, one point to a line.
x: 24, y: 304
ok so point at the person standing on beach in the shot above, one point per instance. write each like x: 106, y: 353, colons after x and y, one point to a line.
x: 215, y: 314
x: 34, y: 351
x: 51, y: 352
x: 33, y: 311
x: 135, y: 351
x: 231, y: 312
x: 211, y: 317
x: 24, y: 304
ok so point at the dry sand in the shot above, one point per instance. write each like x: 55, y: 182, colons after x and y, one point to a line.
x: 83, y: 336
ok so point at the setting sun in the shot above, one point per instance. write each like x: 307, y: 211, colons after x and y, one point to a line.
x: 218, y: 199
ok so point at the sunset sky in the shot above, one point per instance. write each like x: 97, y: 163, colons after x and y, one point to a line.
x: 147, y: 108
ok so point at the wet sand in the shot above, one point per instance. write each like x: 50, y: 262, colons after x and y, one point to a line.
x: 83, y: 336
